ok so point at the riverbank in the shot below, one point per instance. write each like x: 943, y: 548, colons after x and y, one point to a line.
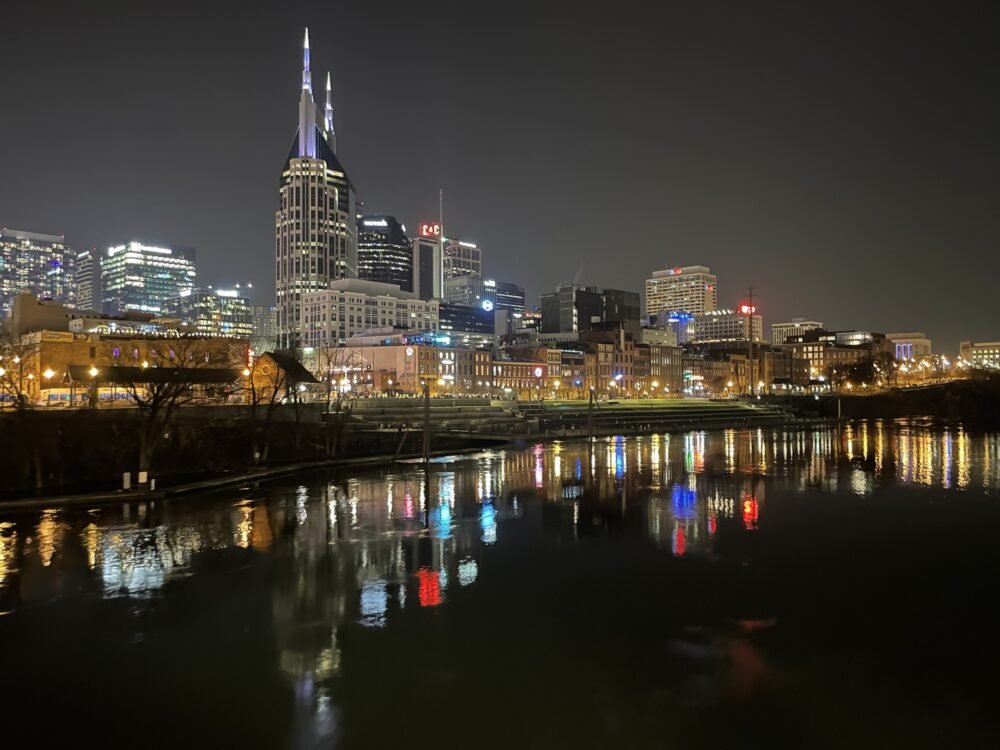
x: 248, y: 476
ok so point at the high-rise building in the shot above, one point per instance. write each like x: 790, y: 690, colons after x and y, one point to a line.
x: 462, y: 259
x: 41, y: 264
x: 214, y: 312
x: 471, y: 291
x: 728, y: 325
x: 428, y: 268
x: 384, y: 252
x: 315, y: 226
x: 352, y: 306
x: 88, y: 279
x: 467, y: 325
x: 795, y: 327
x: 690, y: 288
x: 509, y: 296
x: 573, y: 309
x: 265, y: 328
x: 141, y: 277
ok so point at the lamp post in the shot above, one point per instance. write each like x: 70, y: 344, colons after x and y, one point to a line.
x: 48, y: 385
x: 93, y: 372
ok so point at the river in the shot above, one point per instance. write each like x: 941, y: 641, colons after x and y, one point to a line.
x: 824, y: 588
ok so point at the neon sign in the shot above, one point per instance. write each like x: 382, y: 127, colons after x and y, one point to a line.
x: 747, y: 309
x: 430, y: 230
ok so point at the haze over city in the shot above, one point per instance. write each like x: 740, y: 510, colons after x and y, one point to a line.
x: 843, y: 161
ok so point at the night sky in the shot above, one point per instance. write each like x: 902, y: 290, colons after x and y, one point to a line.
x: 843, y: 160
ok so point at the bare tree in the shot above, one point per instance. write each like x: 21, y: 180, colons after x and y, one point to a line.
x: 335, y: 368
x: 176, y: 377
x: 267, y: 385
x: 17, y: 388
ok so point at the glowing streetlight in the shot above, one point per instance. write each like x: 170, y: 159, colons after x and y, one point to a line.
x: 2, y: 372
x: 246, y: 372
x: 48, y: 374
x: 92, y: 371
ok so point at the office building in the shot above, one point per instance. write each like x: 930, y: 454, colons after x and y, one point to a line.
x: 466, y: 325
x: 727, y: 325
x: 384, y: 252
x: 461, y: 259
x: 141, y: 277
x: 428, y: 268
x: 574, y: 309
x: 88, y: 277
x: 780, y: 332
x: 213, y: 312
x: 471, y: 291
x: 352, y: 306
x: 691, y: 289
x: 510, y: 296
x: 981, y: 354
x: 265, y: 328
x: 907, y: 346
x: 316, y: 222
x: 39, y: 264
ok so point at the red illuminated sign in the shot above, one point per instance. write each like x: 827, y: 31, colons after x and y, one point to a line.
x: 430, y: 230
x: 747, y: 309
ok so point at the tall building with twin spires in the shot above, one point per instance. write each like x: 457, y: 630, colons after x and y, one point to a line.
x: 315, y: 226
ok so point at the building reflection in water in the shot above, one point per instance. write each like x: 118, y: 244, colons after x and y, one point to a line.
x: 366, y: 549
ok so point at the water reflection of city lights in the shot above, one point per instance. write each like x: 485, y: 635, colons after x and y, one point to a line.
x: 468, y: 571
x: 488, y: 523
x: 428, y: 588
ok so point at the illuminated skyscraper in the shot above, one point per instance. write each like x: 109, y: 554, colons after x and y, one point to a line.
x: 41, y: 264
x: 691, y: 288
x: 384, y: 252
x: 214, y: 312
x: 141, y: 277
x: 316, y: 238
x: 462, y: 259
x: 88, y: 277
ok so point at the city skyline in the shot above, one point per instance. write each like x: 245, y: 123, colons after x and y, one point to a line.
x: 835, y: 189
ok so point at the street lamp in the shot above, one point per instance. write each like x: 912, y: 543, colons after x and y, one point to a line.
x: 48, y: 379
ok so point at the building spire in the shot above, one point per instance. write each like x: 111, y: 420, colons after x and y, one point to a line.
x: 328, y: 113
x: 306, y: 74
x: 307, y: 108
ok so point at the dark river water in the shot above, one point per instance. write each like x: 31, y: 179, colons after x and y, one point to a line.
x: 826, y: 588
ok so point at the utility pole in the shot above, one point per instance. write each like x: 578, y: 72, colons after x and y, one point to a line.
x: 427, y: 423
x: 750, y: 375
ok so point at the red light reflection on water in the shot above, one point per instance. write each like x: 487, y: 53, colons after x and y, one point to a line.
x: 750, y: 509
x: 429, y: 592
x: 680, y: 542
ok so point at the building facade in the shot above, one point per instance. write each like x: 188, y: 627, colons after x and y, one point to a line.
x: 214, y: 312
x: 265, y: 327
x: 572, y: 308
x: 689, y: 288
x: 909, y: 346
x: 385, y: 253
x: 40, y: 264
x: 510, y: 296
x: 428, y: 268
x: 88, y: 278
x: 727, y: 325
x: 467, y: 325
x: 780, y: 332
x: 352, y: 306
x: 471, y: 291
x: 316, y: 222
x: 140, y: 277
x: 982, y: 354
x: 462, y: 259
